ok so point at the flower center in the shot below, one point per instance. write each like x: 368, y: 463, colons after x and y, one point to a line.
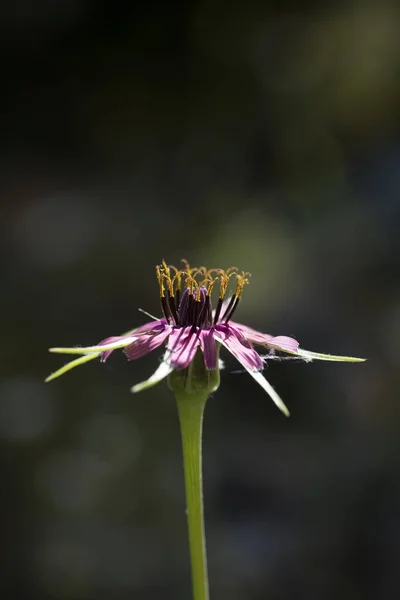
x: 185, y: 294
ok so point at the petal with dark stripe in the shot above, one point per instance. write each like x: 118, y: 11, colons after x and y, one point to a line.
x: 237, y: 345
x: 208, y: 346
x: 183, y: 344
x: 145, y: 344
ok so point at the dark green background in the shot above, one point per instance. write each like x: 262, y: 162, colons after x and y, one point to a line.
x: 258, y: 134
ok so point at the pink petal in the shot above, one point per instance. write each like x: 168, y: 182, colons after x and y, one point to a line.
x: 109, y: 340
x: 280, y: 342
x: 209, y: 348
x: 154, y: 326
x: 237, y: 344
x: 145, y: 343
x: 183, y: 345
x: 284, y: 343
x: 256, y: 337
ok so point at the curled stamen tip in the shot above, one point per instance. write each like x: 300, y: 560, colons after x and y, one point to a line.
x: 186, y: 263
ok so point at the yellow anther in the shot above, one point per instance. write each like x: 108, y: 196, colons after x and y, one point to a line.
x: 169, y: 277
x: 211, y: 271
x: 176, y: 280
x: 211, y: 285
x: 242, y: 280
x: 195, y: 272
x: 160, y: 279
x: 170, y: 285
x: 190, y: 283
x: 224, y: 282
x: 187, y: 266
x: 166, y: 268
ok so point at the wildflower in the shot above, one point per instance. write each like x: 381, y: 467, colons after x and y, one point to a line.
x: 189, y: 324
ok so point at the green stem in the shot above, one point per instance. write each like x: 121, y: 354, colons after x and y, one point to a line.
x: 190, y: 409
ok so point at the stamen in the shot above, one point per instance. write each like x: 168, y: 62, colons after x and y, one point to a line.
x: 183, y: 309
x: 228, y: 315
x: 172, y: 306
x: 218, y: 310
x: 242, y: 280
x: 190, y: 283
x: 196, y: 311
x: 191, y: 305
x: 187, y: 266
x: 211, y: 282
x: 224, y: 279
x: 160, y: 279
x: 165, y: 308
x: 203, y: 270
x: 208, y: 317
x: 229, y: 307
x: 190, y: 310
x: 169, y: 285
x: 176, y: 285
x: 205, y: 317
x: 166, y: 268
x: 178, y: 298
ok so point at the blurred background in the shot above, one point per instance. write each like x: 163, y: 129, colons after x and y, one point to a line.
x: 254, y: 134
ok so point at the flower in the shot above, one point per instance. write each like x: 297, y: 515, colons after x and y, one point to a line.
x: 189, y: 324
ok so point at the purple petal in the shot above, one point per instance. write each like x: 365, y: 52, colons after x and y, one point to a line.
x: 154, y: 326
x: 280, y: 342
x: 237, y: 344
x: 145, y: 343
x: 209, y: 348
x: 183, y: 344
x: 109, y: 340
x: 256, y: 337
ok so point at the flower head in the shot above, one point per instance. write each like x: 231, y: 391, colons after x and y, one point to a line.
x: 190, y: 325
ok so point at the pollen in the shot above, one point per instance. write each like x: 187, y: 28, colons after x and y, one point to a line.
x: 185, y: 294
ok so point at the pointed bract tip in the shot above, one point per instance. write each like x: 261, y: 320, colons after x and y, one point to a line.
x: 71, y: 365
x: 139, y: 387
x: 308, y: 355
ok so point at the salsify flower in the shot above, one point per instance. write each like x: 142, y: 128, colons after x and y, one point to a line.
x: 189, y: 324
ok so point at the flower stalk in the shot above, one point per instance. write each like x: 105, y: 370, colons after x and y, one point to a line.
x: 192, y: 388
x: 190, y: 410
